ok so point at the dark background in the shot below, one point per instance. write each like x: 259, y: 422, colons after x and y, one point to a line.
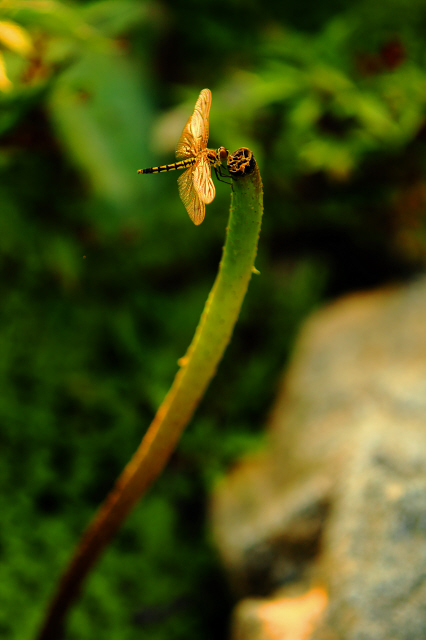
x: 103, y: 276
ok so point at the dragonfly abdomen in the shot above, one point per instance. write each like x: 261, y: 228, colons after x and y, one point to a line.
x: 182, y: 164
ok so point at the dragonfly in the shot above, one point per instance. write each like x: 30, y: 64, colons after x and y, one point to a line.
x: 196, y: 187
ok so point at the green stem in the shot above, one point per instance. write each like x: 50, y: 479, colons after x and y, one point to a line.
x: 197, y: 369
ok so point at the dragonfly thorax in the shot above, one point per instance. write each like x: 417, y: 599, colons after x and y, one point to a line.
x: 217, y: 157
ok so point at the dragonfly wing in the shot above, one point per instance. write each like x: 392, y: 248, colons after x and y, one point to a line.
x: 201, y: 122
x: 202, y: 180
x: 185, y: 148
x: 195, y: 133
x: 194, y: 205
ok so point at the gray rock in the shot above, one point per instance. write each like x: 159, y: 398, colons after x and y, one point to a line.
x: 375, y: 558
x: 339, y: 493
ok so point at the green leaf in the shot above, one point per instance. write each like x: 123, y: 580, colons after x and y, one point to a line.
x: 102, y: 119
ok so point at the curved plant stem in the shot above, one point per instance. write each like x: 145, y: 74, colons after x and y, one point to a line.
x: 196, y: 370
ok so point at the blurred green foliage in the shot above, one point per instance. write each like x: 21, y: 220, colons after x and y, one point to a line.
x: 104, y: 276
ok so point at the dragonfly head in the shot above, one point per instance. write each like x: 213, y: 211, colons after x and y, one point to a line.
x: 217, y: 157
x: 222, y: 153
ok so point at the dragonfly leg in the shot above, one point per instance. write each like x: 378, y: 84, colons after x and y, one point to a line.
x: 220, y: 175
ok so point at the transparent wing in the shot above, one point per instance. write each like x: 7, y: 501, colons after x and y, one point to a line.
x: 195, y: 134
x: 185, y: 148
x: 195, y: 207
x: 202, y: 107
x: 202, y: 180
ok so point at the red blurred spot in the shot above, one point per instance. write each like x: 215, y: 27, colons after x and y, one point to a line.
x: 392, y: 53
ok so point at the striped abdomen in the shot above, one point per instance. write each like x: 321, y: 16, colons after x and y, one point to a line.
x: 182, y: 164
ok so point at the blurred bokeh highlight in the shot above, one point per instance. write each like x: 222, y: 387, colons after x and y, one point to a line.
x: 104, y: 276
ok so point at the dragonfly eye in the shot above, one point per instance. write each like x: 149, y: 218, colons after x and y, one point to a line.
x: 222, y: 152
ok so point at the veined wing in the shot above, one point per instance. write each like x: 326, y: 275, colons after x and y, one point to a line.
x: 202, y: 180
x: 194, y: 205
x: 195, y: 134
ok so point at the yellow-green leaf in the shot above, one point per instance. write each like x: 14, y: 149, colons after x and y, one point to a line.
x: 15, y: 38
x: 5, y: 83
